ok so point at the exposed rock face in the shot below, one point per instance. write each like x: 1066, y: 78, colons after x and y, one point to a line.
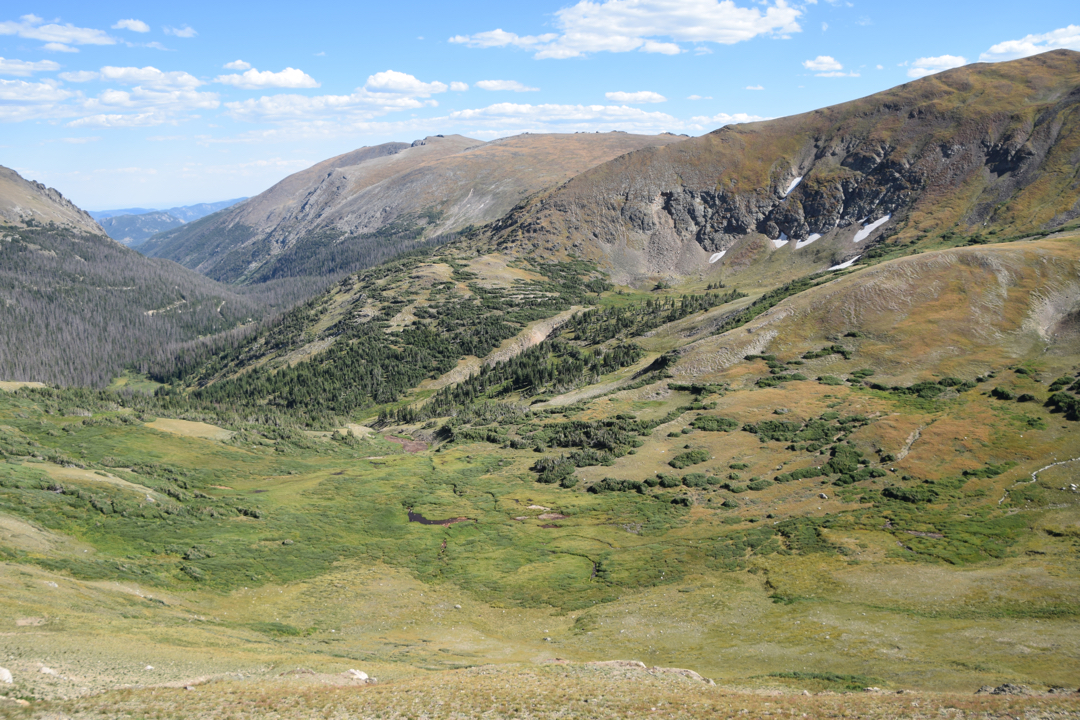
x: 943, y: 152
x: 24, y: 202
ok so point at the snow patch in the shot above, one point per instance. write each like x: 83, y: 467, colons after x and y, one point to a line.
x: 717, y: 256
x: 865, y: 232
x: 807, y: 241
x: 781, y: 242
x: 846, y: 264
x: 794, y: 184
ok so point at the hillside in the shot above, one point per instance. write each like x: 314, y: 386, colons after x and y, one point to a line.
x: 76, y: 307
x: 337, y: 215
x: 134, y: 230
x: 30, y: 204
x: 980, y: 151
x: 184, y: 213
x: 542, y: 471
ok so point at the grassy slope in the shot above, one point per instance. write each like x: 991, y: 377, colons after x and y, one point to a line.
x: 882, y: 589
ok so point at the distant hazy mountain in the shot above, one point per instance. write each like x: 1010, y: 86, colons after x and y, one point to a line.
x: 184, y: 213
x: 133, y: 230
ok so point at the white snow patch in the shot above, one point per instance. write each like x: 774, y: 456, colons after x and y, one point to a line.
x: 807, y: 241
x: 781, y: 242
x: 794, y: 184
x: 717, y: 256
x: 846, y: 264
x: 865, y: 232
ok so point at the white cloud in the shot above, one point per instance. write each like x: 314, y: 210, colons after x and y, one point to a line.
x: 824, y: 26
x: 822, y: 63
x: 398, y: 83
x: 22, y: 68
x: 1067, y: 37
x: 80, y: 76
x: 627, y: 25
x: 57, y: 37
x: 755, y: 87
x: 501, y: 38
x: 59, y: 47
x: 147, y: 119
x: 175, y: 100
x: 79, y: 140
x: 182, y: 32
x: 256, y: 80
x: 133, y: 25
x: 507, y: 85
x: 21, y: 100
x: 328, y: 109
x: 700, y: 97
x: 930, y: 65
x: 717, y: 121
x: 827, y: 66
x: 880, y: 67
x: 237, y: 65
x: 459, y: 86
x: 635, y: 98
x: 147, y: 76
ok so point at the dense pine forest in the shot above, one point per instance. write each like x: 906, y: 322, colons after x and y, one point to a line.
x: 78, y: 309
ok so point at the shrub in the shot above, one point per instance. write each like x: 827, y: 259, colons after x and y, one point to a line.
x: 669, y: 481
x: 729, y: 503
x: 760, y: 484
x: 829, y: 380
x: 682, y: 500
x: 1003, y: 393
x: 739, y: 466
x: 714, y: 423
x: 1026, y: 397
x: 695, y: 480
x: 609, y: 484
x: 692, y: 457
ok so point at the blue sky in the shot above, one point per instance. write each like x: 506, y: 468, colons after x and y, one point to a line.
x: 150, y: 104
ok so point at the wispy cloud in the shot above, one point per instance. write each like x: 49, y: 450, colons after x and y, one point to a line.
x: 146, y: 76
x: 636, y: 25
x: 930, y: 65
x: 505, y: 85
x: 1067, y: 38
x: 755, y: 87
x: 22, y: 68
x: 635, y: 98
x: 132, y: 24
x: 59, y: 38
x: 181, y: 32
x: 237, y: 65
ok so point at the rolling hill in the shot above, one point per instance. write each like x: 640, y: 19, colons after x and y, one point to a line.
x: 336, y: 215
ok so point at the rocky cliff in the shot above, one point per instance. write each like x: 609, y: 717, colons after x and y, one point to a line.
x: 983, y: 148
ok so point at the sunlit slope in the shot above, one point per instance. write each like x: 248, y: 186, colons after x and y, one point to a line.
x: 391, y: 193
x: 952, y: 312
x: 984, y: 149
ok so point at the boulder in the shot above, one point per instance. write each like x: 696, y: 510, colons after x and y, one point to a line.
x: 5, y: 676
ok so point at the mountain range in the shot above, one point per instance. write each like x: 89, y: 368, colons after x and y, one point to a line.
x: 132, y: 226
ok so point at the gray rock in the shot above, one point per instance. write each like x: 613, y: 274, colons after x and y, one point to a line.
x: 5, y: 676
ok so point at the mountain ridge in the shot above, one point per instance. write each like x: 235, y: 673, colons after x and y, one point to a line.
x: 993, y: 132
x: 430, y: 187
